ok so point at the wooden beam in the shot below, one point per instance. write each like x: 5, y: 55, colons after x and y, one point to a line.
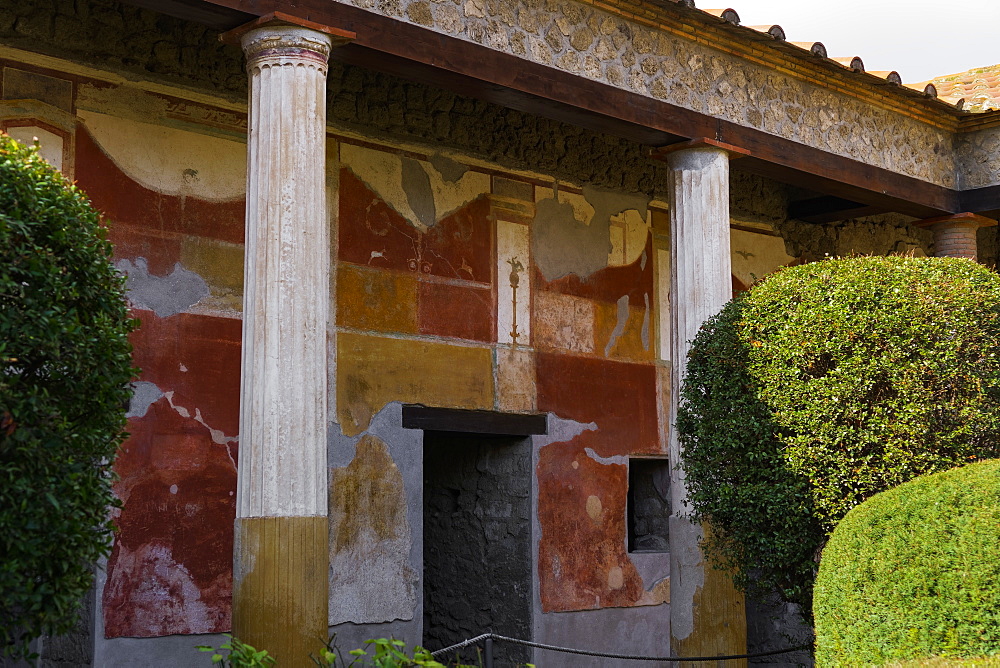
x: 209, y: 14
x: 415, y: 53
x: 984, y: 201
x: 430, y: 418
x: 829, y: 209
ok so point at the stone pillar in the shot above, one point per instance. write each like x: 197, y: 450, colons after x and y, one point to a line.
x: 955, y: 235
x: 707, y: 613
x: 280, y: 560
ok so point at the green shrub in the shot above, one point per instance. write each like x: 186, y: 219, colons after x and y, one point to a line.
x: 914, y: 572
x: 64, y: 370
x: 827, y: 383
x: 381, y: 653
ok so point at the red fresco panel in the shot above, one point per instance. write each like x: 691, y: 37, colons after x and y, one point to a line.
x: 456, y: 311
x: 128, y: 203
x: 373, y: 234
x: 582, y: 562
x: 618, y: 396
x: 170, y: 570
x: 610, y: 283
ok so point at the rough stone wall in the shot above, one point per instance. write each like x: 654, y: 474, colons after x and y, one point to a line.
x: 978, y: 155
x: 477, y: 541
x: 649, y: 505
x: 584, y: 40
x: 568, y: 35
x: 125, y: 39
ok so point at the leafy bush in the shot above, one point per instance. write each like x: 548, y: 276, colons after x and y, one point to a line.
x: 914, y: 572
x: 381, y: 653
x: 827, y: 383
x: 64, y: 370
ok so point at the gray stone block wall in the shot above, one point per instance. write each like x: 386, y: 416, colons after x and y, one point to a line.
x: 477, y: 541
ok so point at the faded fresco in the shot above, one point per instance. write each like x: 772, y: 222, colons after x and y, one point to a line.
x: 175, y: 211
x: 456, y: 285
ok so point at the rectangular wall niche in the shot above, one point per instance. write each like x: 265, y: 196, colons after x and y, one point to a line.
x: 648, y: 505
x: 477, y: 541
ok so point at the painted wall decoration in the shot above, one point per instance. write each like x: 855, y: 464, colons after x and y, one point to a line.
x: 456, y: 286
x: 174, y: 203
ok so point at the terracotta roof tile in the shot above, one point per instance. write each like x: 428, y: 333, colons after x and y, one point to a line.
x: 979, y: 87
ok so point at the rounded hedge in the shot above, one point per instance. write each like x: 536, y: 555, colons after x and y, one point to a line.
x: 65, y: 366
x: 914, y: 572
x: 827, y: 383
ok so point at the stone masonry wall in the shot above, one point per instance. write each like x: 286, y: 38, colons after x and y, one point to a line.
x: 572, y: 36
x: 477, y: 540
x: 581, y: 39
x: 979, y: 158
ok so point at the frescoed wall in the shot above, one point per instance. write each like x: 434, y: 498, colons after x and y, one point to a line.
x: 458, y: 283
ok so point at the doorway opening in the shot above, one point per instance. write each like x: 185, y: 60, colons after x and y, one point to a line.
x: 477, y: 541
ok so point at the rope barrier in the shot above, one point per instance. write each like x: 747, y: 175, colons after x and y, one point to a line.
x: 609, y: 655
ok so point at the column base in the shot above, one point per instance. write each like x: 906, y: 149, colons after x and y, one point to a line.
x: 707, y: 612
x: 280, y: 576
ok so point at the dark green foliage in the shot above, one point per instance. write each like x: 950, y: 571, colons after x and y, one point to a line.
x: 914, y: 572
x: 64, y: 370
x: 825, y: 384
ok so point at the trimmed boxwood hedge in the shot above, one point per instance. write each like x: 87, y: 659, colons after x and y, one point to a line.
x: 914, y: 572
x: 827, y: 383
x: 65, y: 365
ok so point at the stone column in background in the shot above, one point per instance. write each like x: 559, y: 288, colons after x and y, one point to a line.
x: 955, y: 235
x: 280, y: 560
x: 707, y: 614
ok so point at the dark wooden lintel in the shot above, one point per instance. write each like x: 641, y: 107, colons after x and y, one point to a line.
x: 984, y: 201
x: 829, y: 209
x: 430, y: 418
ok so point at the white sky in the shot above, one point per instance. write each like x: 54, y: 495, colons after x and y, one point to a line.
x: 920, y: 39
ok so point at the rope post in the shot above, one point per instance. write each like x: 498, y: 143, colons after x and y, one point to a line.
x: 489, y: 652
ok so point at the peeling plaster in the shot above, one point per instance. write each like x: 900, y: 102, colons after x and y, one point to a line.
x: 218, y: 437
x: 688, y: 574
x: 622, y: 320
x: 144, y: 395
x: 450, y: 170
x: 561, y: 430
x: 164, y: 295
x: 619, y: 460
x: 564, y: 244
x: 371, y: 579
x: 423, y: 193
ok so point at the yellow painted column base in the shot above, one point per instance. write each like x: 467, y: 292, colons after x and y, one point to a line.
x: 280, y: 575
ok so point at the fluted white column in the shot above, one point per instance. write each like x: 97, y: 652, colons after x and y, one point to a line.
x: 280, y: 589
x: 707, y: 615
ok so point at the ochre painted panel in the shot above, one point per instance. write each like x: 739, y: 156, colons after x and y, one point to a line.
x: 373, y: 371
x: 376, y: 300
x: 623, y: 332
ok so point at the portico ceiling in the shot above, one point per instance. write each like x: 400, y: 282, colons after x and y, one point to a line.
x: 419, y: 54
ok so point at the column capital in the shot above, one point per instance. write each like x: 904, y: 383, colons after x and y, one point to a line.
x: 280, y: 34
x: 663, y: 152
x: 967, y: 219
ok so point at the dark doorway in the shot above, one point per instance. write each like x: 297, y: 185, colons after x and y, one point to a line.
x: 477, y: 541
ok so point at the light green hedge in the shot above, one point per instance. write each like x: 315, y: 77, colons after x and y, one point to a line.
x: 914, y: 572
x: 827, y: 383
